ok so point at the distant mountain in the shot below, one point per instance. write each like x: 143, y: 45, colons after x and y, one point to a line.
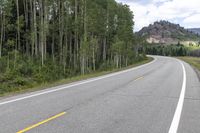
x: 195, y: 30
x: 167, y: 33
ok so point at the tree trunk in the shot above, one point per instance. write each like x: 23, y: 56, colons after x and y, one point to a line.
x: 53, y: 37
x: 61, y: 26
x: 84, y: 44
x: 82, y: 65
x: 35, y: 28
x: 53, y: 45
x: 25, y: 3
x: 65, y: 52
x: 117, y: 61
x: 70, y: 50
x: 42, y: 30
x: 18, y: 27
x: 126, y: 61
x: 76, y: 35
x: 45, y: 28
x: 94, y: 61
x: 2, y: 32
x: 104, y: 49
x: 31, y: 27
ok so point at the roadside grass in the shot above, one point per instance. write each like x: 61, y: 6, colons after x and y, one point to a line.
x: 36, y: 87
x: 192, y: 48
x: 194, y: 61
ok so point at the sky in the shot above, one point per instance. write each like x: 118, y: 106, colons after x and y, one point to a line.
x: 183, y: 12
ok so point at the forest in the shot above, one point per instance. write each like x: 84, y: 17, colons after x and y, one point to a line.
x: 167, y: 50
x: 47, y: 40
x: 172, y: 50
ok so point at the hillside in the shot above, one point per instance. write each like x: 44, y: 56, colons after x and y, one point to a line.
x: 195, y: 30
x: 167, y: 33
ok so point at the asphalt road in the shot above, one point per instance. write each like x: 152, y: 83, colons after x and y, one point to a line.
x: 160, y: 97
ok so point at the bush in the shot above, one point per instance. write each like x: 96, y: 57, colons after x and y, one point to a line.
x: 24, y: 72
x: 20, y: 81
x: 3, y: 65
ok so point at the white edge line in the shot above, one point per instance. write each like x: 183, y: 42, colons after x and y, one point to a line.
x: 77, y: 84
x: 177, y: 115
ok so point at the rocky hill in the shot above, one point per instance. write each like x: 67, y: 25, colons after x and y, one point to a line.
x: 165, y: 32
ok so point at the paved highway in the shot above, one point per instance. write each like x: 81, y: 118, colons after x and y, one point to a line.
x: 159, y: 97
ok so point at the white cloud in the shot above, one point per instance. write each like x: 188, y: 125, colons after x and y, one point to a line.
x: 192, y: 21
x: 158, y: 1
x: 184, y: 12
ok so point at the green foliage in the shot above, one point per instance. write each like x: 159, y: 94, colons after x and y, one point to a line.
x: 48, y: 40
x: 117, y: 46
x: 167, y: 50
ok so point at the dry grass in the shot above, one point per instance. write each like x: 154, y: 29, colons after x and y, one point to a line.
x: 194, y: 61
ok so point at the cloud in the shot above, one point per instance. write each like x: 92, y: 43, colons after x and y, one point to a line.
x: 160, y: 1
x: 192, y: 21
x: 184, y: 12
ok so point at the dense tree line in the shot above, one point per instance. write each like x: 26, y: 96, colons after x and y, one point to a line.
x: 167, y: 50
x: 54, y: 39
x: 195, y: 53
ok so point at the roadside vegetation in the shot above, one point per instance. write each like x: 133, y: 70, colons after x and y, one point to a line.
x: 194, y: 61
x: 188, y: 53
x: 167, y: 50
x: 17, y: 84
x: 44, y: 41
x: 174, y: 49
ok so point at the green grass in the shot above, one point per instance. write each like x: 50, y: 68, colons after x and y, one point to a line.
x: 192, y: 48
x: 194, y: 61
x: 35, y: 87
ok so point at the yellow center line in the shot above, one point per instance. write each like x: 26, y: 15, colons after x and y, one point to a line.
x: 40, y: 123
x: 138, y: 78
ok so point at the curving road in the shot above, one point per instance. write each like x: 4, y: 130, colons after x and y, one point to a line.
x: 159, y: 97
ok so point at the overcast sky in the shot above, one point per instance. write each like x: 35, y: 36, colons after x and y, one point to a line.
x: 183, y: 12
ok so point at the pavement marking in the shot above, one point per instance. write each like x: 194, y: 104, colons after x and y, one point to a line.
x: 177, y: 115
x: 42, y: 122
x: 75, y: 84
x: 138, y: 78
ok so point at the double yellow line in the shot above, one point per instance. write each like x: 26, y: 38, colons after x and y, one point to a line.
x: 42, y: 122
